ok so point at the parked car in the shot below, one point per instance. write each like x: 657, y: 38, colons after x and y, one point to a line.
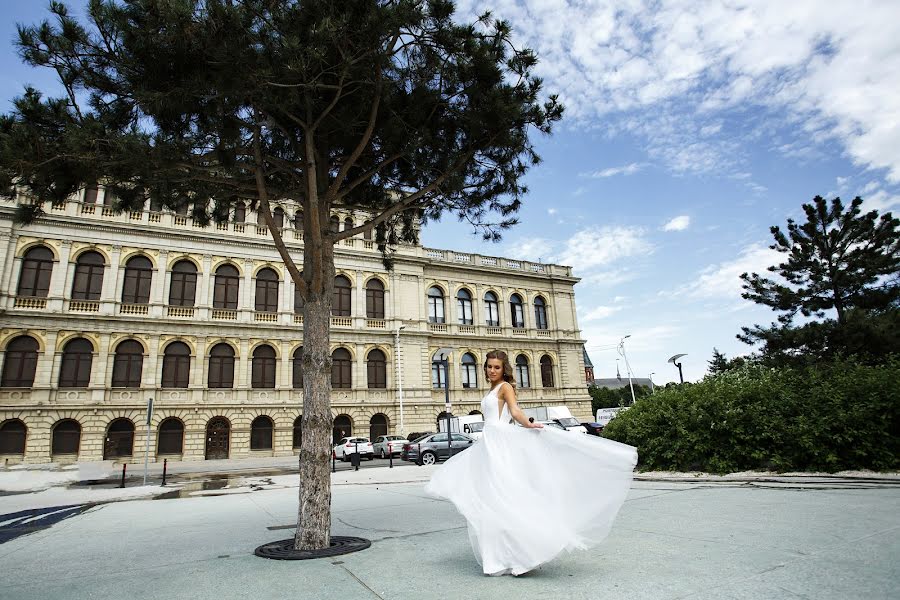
x: 433, y: 448
x: 418, y: 434
x: 349, y: 445
x: 593, y: 428
x: 388, y: 444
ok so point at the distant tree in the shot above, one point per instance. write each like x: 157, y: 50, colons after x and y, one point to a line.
x: 386, y: 107
x: 602, y: 397
x: 838, y: 259
x: 719, y: 363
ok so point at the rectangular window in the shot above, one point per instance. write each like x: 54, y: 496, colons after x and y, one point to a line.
x: 136, y: 289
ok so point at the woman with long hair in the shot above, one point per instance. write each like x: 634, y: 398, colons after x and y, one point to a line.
x: 529, y: 493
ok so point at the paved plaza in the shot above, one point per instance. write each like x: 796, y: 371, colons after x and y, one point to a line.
x: 696, y: 538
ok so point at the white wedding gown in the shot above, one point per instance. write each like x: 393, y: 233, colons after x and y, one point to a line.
x: 529, y: 494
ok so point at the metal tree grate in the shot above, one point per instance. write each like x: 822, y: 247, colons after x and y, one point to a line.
x: 284, y: 549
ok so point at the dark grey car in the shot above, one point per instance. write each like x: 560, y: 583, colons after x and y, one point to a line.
x: 433, y: 448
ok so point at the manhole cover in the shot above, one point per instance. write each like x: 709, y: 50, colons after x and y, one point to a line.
x: 284, y: 549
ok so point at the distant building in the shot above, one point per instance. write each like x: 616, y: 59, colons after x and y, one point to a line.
x: 620, y: 382
x: 588, y: 368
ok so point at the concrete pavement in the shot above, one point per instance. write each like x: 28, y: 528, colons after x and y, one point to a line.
x: 750, y: 537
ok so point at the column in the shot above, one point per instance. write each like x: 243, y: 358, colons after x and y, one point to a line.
x: 111, y: 285
x: 359, y: 378
x: 285, y: 307
x: 242, y: 376
x: 160, y: 286
x: 285, y: 375
x: 100, y: 372
x: 153, y: 367
x: 389, y: 294
x: 199, y: 366
x: 358, y: 306
x: 59, y: 279
x: 204, y: 296
x: 246, y: 296
x: 12, y: 266
x: 45, y: 368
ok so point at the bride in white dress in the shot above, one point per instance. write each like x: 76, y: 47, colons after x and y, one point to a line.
x: 530, y: 492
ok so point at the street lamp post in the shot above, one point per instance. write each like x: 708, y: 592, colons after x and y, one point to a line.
x: 444, y: 361
x: 399, y: 371
x: 627, y: 365
x: 652, y: 389
x: 674, y: 361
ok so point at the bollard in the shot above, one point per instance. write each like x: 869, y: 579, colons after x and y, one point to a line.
x: 165, y: 466
x: 124, y: 466
x: 357, y: 456
x: 419, y: 454
x: 333, y: 461
x: 390, y: 456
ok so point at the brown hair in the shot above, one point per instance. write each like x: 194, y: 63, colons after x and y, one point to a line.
x: 507, y: 368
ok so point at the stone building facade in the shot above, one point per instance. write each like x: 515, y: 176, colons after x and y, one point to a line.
x: 101, y: 312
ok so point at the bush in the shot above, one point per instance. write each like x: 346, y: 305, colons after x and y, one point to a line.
x: 830, y: 417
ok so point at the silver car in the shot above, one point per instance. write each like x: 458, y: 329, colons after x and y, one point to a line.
x: 385, y: 445
x: 432, y: 448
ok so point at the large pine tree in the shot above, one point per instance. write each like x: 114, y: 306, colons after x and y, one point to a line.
x: 842, y: 273
x: 390, y: 107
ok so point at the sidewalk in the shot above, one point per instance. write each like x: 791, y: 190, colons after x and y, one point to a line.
x: 802, y: 538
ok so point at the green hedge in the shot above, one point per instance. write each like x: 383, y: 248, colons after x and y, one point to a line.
x: 831, y: 417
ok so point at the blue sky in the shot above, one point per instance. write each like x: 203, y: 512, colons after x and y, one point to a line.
x: 691, y: 128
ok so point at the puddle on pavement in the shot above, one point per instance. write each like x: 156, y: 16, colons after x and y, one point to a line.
x: 189, y: 489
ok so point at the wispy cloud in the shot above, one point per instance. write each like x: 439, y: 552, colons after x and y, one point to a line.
x: 602, y: 247
x: 679, y: 223
x: 600, y: 312
x: 722, y: 280
x: 629, y: 169
x: 683, y: 74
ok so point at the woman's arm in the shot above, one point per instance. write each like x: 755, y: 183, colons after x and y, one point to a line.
x: 508, y: 395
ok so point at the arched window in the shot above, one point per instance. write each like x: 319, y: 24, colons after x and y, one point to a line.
x: 75, y: 369
x: 181, y: 208
x: 240, y: 212
x: 343, y: 427
x: 90, y: 194
x: 267, y: 291
x: 438, y: 372
x: 341, y: 377
x: 540, y: 313
x: 66, y: 437
x: 109, y: 197
x: 138, y: 279
x: 464, y: 306
x: 297, y: 364
x: 34, y: 278
x: 375, y: 299
x: 491, y: 310
x: 334, y: 224
x: 156, y: 204
x: 546, y: 371
x: 469, y: 371
x: 298, y: 220
x: 119, y: 439
x: 261, y: 433
x: 263, y: 367
x: 88, y: 280
x: 184, y: 284
x: 12, y: 437
x: 340, y: 306
x: 176, y: 369
x: 278, y: 217
x: 435, y: 305
x: 516, y: 312
x: 221, y: 367
x: 298, y: 432
x: 522, y: 371
x: 367, y: 234
x: 20, y: 362
x: 348, y: 223
x: 226, y: 287
x: 128, y: 364
x: 378, y: 425
x: 376, y: 369
x: 171, y: 437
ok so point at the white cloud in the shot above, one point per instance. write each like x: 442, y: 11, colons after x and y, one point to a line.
x: 596, y: 247
x: 722, y: 280
x: 532, y: 249
x: 629, y: 169
x: 551, y: 211
x: 880, y: 201
x: 679, y: 223
x: 682, y: 71
x: 601, y: 312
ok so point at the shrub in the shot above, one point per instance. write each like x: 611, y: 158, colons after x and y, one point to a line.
x: 828, y: 417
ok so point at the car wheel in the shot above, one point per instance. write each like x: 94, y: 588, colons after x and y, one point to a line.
x: 428, y: 458
x: 383, y: 455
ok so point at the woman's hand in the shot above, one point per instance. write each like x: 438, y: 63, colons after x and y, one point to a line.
x: 535, y: 425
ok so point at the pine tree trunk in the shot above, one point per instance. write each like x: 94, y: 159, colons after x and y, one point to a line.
x: 314, y: 511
